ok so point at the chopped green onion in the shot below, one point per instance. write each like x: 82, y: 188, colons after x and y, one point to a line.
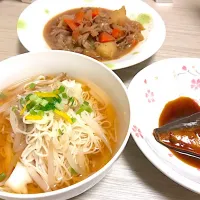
x: 51, y: 100
x: 61, y: 89
x: 60, y: 132
x: 27, y: 97
x: 32, y: 112
x: 44, y: 102
x: 58, y: 99
x: 30, y: 106
x: 71, y: 100
x: 84, y: 107
x: 73, y: 120
x: 14, y: 108
x: 32, y: 86
x: 86, y: 103
x: 49, y: 106
x: 64, y: 96
x: 22, y: 101
x: 40, y: 113
x: 2, y: 176
x: 38, y: 100
x: 38, y: 107
x: 33, y: 97
x: 59, y: 106
x: 72, y: 171
x: 2, y: 95
x: 56, y: 91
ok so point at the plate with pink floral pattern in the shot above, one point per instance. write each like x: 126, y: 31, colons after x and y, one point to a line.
x: 149, y: 91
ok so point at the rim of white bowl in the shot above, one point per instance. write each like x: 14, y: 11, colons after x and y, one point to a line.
x: 105, y: 167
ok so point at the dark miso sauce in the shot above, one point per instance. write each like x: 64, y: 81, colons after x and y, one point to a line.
x: 178, y: 108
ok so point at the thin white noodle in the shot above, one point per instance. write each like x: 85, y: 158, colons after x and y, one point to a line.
x: 55, y: 147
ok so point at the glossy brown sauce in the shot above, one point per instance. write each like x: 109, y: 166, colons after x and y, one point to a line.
x: 178, y: 108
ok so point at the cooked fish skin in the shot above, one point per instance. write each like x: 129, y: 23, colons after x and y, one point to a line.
x: 182, y: 135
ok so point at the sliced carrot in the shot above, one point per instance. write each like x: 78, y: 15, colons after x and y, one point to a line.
x: 117, y: 33
x: 79, y: 17
x: 95, y: 12
x: 71, y: 23
x: 105, y: 37
x: 134, y: 43
x: 75, y: 35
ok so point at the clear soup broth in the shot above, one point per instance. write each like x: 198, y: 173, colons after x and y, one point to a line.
x: 55, y: 129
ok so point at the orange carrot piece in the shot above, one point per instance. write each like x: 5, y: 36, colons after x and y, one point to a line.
x: 134, y: 43
x: 71, y: 23
x: 105, y: 37
x: 79, y: 17
x: 95, y: 12
x: 117, y: 33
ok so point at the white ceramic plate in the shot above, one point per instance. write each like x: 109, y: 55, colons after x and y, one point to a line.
x: 33, y: 19
x: 149, y: 91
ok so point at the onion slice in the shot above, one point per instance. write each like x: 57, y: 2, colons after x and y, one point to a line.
x: 37, y: 178
x: 50, y: 165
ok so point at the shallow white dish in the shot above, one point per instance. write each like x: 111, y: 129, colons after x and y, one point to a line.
x: 149, y: 91
x: 77, y: 66
x: 33, y: 19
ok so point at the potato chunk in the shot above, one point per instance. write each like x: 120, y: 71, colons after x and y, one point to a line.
x: 119, y: 16
x: 107, y: 49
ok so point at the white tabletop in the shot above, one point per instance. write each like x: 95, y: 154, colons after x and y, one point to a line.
x: 132, y: 176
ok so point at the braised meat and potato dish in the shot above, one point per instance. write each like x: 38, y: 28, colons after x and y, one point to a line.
x: 96, y: 32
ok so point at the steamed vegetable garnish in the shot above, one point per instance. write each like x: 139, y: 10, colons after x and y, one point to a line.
x: 54, y: 135
x: 81, y: 30
x: 2, y: 176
